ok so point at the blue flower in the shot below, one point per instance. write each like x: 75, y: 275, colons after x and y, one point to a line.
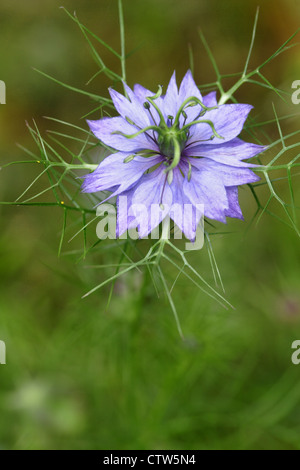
x: 174, y: 149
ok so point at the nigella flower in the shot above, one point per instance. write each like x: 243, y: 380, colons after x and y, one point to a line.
x: 178, y: 148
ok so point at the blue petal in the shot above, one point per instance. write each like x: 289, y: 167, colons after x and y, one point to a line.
x: 234, y: 209
x: 230, y: 176
x: 228, y: 120
x: 104, y: 130
x: 170, y: 100
x: 230, y: 153
x: 142, y: 93
x: 207, y: 188
x: 189, y: 89
x: 125, y: 220
x: 183, y: 212
x: 131, y: 108
x: 152, y: 190
x: 210, y: 99
x: 113, y: 172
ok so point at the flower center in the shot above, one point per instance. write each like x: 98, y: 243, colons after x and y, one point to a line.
x: 171, y: 139
x: 166, y: 141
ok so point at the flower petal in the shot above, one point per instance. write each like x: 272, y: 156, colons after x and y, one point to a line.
x: 152, y: 190
x: 131, y: 108
x: 170, y: 100
x: 185, y: 215
x: 142, y: 93
x: 230, y: 176
x: 210, y: 99
x: 188, y: 88
x: 113, y: 172
x: 208, y: 189
x: 104, y: 130
x: 234, y: 209
x: 228, y: 120
x: 230, y: 153
x: 125, y: 220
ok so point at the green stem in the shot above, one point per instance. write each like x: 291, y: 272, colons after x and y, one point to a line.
x: 122, y: 37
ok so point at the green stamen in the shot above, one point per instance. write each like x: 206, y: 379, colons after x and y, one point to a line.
x: 151, y: 99
x: 170, y: 176
x: 130, y: 121
x: 132, y: 136
x: 193, y: 100
x: 129, y: 158
x: 206, y: 122
x: 189, y: 175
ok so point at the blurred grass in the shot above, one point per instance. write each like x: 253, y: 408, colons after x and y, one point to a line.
x: 81, y: 377
x: 78, y: 377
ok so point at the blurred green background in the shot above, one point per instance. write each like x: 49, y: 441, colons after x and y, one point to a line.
x: 80, y: 377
